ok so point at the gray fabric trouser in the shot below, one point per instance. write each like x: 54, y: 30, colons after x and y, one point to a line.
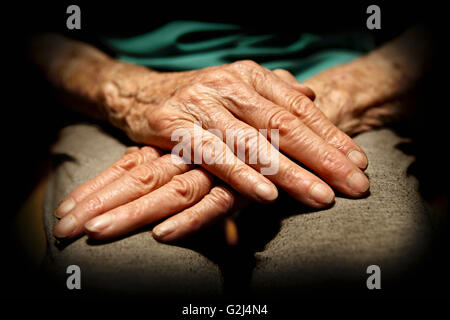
x: 285, y: 246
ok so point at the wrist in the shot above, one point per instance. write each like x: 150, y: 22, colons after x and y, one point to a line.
x: 387, y: 78
x: 128, y: 90
x: 118, y: 91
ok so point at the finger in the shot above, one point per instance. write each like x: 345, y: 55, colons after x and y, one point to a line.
x: 218, y: 203
x: 181, y: 192
x: 130, y: 186
x: 210, y: 152
x: 290, y: 79
x: 125, y: 163
x: 281, y: 94
x: 301, y: 143
x: 252, y: 147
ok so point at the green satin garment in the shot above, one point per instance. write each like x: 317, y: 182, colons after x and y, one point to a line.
x: 188, y: 45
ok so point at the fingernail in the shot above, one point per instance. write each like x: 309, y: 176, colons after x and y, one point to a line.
x: 65, y: 226
x: 100, y: 223
x: 358, y: 182
x: 164, y: 229
x: 65, y: 207
x: 266, y: 191
x: 321, y: 193
x: 358, y: 158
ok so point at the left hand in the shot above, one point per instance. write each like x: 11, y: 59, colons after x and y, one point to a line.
x: 140, y: 188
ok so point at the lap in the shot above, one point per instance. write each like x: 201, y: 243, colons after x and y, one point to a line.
x: 134, y: 264
x: 389, y: 228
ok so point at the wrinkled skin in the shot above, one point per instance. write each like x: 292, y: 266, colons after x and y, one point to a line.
x: 118, y: 201
x: 145, y: 186
x: 241, y: 97
x: 352, y: 97
x: 122, y: 200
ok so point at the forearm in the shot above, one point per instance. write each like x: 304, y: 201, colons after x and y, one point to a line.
x: 385, y: 73
x: 400, y: 63
x: 92, y: 81
x: 375, y: 88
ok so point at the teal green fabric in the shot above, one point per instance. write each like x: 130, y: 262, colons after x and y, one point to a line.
x: 188, y: 45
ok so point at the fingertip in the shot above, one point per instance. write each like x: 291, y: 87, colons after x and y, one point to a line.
x: 65, y: 207
x: 266, y: 192
x: 358, y: 183
x: 161, y: 231
x: 65, y: 227
x: 359, y: 159
x: 322, y: 194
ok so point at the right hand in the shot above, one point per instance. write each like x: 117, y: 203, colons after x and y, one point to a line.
x: 241, y: 97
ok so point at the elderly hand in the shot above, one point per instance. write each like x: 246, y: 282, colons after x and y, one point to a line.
x: 229, y: 100
x: 208, y: 104
x: 239, y: 98
x: 144, y: 187
x: 356, y: 97
x: 123, y: 198
x: 375, y: 88
x: 140, y: 188
x: 352, y: 105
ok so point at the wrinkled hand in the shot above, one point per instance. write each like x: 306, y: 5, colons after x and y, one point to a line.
x: 240, y: 97
x: 122, y: 198
x: 360, y: 95
x: 140, y: 188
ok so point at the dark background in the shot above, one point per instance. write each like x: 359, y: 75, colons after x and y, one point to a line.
x: 31, y: 117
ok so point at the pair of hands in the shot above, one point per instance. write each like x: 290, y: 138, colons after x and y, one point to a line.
x: 145, y: 186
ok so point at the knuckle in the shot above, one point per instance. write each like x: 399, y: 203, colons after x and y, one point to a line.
x: 206, y: 143
x: 220, y: 77
x: 300, y: 105
x: 281, y: 120
x: 249, y: 70
x: 247, y: 143
x: 183, y: 187
x: 222, y: 199
x: 292, y: 174
x: 245, y: 64
x: 237, y: 173
x: 283, y: 72
x: 129, y: 161
x: 330, y: 160
x: 194, y: 219
x: 333, y: 135
x: 95, y: 204
x: 135, y: 211
x: 143, y: 176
